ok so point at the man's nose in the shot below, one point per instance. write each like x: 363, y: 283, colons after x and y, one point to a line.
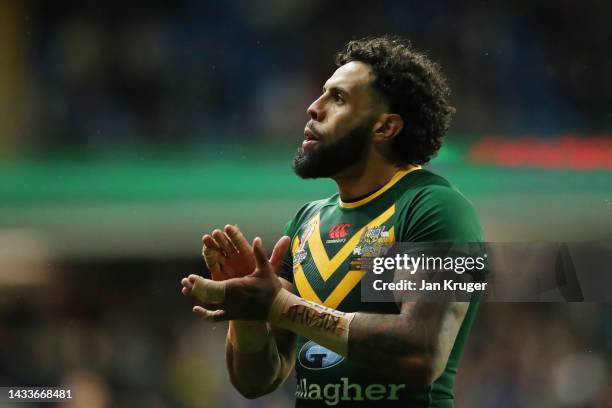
x: 316, y: 111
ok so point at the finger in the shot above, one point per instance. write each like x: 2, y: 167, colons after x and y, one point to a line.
x: 209, y: 242
x: 207, y: 290
x: 213, y: 259
x: 232, y: 247
x: 224, y: 242
x: 261, y: 257
x: 237, y: 238
x: 186, y: 283
x: 210, y: 315
x: 211, y: 251
x: 279, y: 251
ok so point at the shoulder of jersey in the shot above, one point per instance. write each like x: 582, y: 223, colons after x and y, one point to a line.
x: 311, y: 208
x: 424, y: 178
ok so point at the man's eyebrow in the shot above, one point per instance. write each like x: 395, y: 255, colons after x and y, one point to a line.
x: 336, y: 88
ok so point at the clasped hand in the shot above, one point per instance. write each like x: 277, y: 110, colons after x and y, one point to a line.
x: 244, y: 281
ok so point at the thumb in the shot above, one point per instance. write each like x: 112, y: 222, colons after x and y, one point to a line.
x: 261, y: 258
x: 279, y: 251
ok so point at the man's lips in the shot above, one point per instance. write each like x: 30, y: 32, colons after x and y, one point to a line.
x: 310, y: 135
x: 311, y: 139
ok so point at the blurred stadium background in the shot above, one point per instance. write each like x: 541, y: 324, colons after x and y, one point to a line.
x: 129, y: 129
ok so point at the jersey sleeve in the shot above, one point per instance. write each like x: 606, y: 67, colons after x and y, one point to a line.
x: 440, y: 221
x: 440, y: 214
x: 286, y: 271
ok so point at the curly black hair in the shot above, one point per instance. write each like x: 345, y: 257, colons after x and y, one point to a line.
x: 414, y: 87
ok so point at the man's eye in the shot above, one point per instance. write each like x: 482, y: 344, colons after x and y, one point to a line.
x: 338, y: 97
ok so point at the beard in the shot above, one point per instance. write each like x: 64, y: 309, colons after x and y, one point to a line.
x: 329, y: 160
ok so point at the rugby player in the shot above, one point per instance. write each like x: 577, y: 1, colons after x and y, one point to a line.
x: 381, y: 116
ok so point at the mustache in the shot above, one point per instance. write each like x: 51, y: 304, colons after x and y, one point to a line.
x: 311, y: 127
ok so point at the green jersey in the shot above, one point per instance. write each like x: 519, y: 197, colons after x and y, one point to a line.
x: 328, y: 239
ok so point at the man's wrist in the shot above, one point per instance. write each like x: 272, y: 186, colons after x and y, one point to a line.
x: 326, y: 326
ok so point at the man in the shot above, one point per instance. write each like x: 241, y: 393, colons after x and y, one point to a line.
x: 382, y: 114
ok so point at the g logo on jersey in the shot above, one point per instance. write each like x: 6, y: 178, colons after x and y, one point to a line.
x: 316, y: 357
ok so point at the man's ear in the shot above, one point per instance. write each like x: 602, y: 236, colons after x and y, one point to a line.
x: 388, y: 126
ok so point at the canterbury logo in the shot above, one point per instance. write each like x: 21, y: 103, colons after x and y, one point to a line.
x: 326, y: 266
x: 339, y: 231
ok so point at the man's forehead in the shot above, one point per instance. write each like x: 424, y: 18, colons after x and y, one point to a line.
x: 350, y: 76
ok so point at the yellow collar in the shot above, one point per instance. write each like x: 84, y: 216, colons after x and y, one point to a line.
x: 396, y: 177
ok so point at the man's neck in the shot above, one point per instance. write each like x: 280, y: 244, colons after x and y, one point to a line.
x: 362, y: 180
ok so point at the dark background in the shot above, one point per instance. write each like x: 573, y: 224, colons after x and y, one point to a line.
x: 129, y: 129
